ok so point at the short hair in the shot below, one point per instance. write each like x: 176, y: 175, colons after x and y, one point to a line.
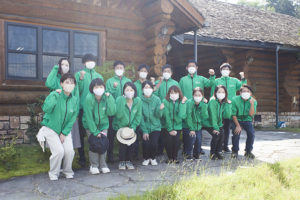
x: 175, y: 89
x: 166, y: 66
x: 89, y: 57
x: 130, y: 84
x: 192, y: 61
x: 96, y: 82
x: 118, y: 62
x: 226, y: 93
x: 246, y: 86
x: 66, y: 76
x: 147, y: 67
x: 147, y: 82
x: 225, y: 65
x: 59, y: 64
x: 196, y: 89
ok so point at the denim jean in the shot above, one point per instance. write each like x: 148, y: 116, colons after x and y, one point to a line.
x: 248, y: 127
x: 192, y: 144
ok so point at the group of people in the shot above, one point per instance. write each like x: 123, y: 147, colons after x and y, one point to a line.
x: 154, y: 112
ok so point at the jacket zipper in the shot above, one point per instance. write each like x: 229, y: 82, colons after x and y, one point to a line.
x: 98, y: 116
x: 149, y: 116
x: 166, y: 87
x: 192, y: 83
x: 244, y: 110
x: 173, y: 114
x: 121, y: 85
x: 65, y: 114
x: 91, y: 75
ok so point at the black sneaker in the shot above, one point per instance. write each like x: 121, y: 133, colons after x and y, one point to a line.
x: 226, y: 150
x: 202, y: 152
x: 234, y: 155
x: 219, y: 156
x: 249, y: 155
x: 213, y: 156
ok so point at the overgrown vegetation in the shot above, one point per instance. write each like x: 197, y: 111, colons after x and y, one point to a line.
x: 8, y: 156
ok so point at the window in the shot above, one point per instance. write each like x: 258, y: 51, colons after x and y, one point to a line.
x: 32, y: 51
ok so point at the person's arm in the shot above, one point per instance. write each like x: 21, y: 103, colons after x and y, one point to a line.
x: 158, y: 110
x: 234, y: 112
x: 88, y: 114
x: 227, y: 111
x: 213, y: 113
x: 182, y: 110
x: 252, y: 110
x: 138, y: 116
x: 50, y: 102
x: 204, y: 111
x: 110, y: 87
x: 111, y: 105
x: 120, y: 106
x: 52, y: 79
x: 189, y: 117
x: 143, y: 125
x: 69, y: 125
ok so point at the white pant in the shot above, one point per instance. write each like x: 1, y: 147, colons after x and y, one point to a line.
x: 59, y: 152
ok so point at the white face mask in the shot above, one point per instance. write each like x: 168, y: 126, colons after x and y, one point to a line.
x: 98, y: 91
x: 245, y: 95
x: 174, y: 96
x: 166, y: 75
x: 148, y: 91
x: 225, y: 72
x: 198, y: 99
x: 143, y: 75
x: 192, y: 70
x: 90, y: 64
x: 220, y: 95
x: 64, y: 69
x: 129, y: 94
x: 68, y: 87
x: 119, y: 72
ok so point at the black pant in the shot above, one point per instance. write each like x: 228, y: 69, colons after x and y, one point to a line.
x: 227, y: 125
x: 172, y: 144
x: 111, y: 138
x: 82, y: 134
x: 150, y: 146
x: 139, y: 135
x: 126, y: 152
x: 216, y: 141
x: 161, y: 142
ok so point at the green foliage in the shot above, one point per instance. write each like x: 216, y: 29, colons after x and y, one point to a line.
x: 8, y: 155
x: 287, y: 7
x: 256, y: 4
x: 33, y: 124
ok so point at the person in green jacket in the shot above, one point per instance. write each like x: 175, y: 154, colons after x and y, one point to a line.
x: 84, y: 79
x: 243, y: 111
x: 129, y: 114
x: 196, y: 113
x: 161, y: 89
x: 219, y: 107
x: 152, y: 110
x: 174, y: 112
x: 232, y: 85
x: 97, y: 108
x: 187, y: 84
x: 60, y: 114
x: 143, y: 71
x: 115, y: 87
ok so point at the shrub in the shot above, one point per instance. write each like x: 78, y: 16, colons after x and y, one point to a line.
x: 8, y: 155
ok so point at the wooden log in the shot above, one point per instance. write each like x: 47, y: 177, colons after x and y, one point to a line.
x: 126, y: 56
x: 125, y: 45
x: 162, y: 17
x: 158, y: 40
x: 156, y: 50
x: 13, y: 110
x: 160, y: 59
x: 20, y: 97
x: 157, y: 7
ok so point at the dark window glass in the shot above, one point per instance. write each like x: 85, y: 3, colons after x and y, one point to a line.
x: 55, y: 42
x: 22, y: 38
x: 21, y: 65
x: 85, y: 43
x: 48, y: 63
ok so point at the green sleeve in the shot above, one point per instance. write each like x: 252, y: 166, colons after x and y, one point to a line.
x: 50, y: 102
x: 120, y: 106
x: 182, y: 110
x: 167, y: 115
x: 213, y: 113
x: 181, y: 83
x: 158, y: 111
x: 52, y: 79
x: 213, y: 87
x: 137, y: 120
x: 143, y: 126
x: 211, y: 82
x: 79, y: 83
x: 204, y: 112
x: 110, y: 88
x: 255, y: 106
x: 234, y: 110
x: 68, y: 127
x: 240, y: 83
x: 111, y: 106
x: 189, y: 118
x: 227, y: 111
x: 88, y: 114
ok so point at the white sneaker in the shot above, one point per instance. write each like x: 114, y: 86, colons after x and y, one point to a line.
x: 69, y: 176
x: 53, y: 178
x: 94, y: 170
x: 153, y: 162
x: 105, y: 170
x: 146, y: 162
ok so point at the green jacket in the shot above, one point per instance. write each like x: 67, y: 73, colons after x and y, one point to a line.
x: 138, y: 85
x: 53, y: 79
x: 187, y: 84
x: 217, y: 112
x: 84, y: 85
x: 174, y: 114
x: 118, y: 91
x: 125, y: 117
x: 60, y: 112
x: 195, y: 114
x: 162, y: 91
x: 151, y: 114
x: 232, y: 84
x: 241, y: 108
x: 95, y: 117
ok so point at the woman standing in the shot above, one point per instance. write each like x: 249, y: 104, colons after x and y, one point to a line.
x: 150, y: 124
x: 98, y: 106
x: 175, y: 112
x: 127, y: 118
x: 219, y: 107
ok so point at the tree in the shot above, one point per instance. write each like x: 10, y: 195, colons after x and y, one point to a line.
x: 287, y: 7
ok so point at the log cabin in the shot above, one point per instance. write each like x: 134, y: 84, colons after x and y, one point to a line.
x: 34, y: 34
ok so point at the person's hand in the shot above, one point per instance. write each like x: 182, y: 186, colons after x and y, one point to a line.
x: 162, y: 106
x: 252, y: 100
x: 242, y: 75
x: 192, y: 133
x: 115, y: 84
x: 146, y: 137
x: 183, y: 100
x: 99, y: 135
x: 238, y: 130
x: 82, y: 73
x: 103, y: 133
x: 58, y: 91
x: 228, y: 101
x: 62, y: 138
x: 152, y: 79
x: 107, y: 94
x: 211, y: 72
x: 216, y: 132
x: 173, y: 133
x: 205, y: 100
x: 161, y: 78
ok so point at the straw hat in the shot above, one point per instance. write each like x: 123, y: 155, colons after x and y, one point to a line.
x: 126, y: 136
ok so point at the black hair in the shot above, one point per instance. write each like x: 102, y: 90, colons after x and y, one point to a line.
x: 66, y: 76
x: 246, y: 86
x: 89, y: 57
x: 147, y: 82
x: 144, y: 66
x: 226, y: 65
x: 166, y: 67
x: 59, y: 64
x: 96, y: 82
x: 132, y: 86
x: 192, y: 61
x: 118, y: 62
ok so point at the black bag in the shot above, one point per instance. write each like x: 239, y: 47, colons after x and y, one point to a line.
x: 98, y: 144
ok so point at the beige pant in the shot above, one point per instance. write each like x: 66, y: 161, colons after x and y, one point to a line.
x: 97, y: 160
x: 59, y: 151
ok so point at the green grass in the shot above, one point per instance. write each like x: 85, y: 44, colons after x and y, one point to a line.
x: 265, y: 181
x: 287, y: 129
